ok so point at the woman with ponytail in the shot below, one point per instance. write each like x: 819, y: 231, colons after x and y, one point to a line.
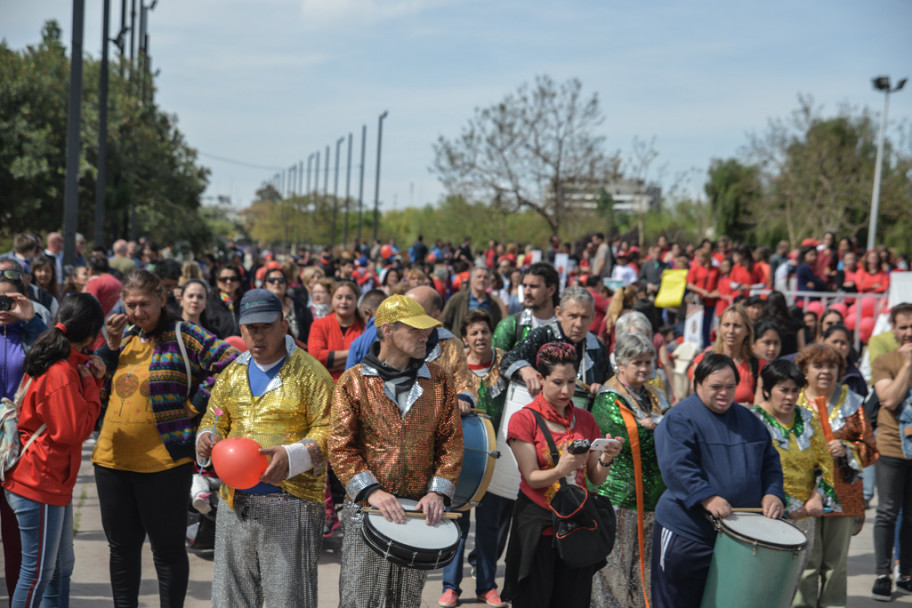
x: 60, y: 407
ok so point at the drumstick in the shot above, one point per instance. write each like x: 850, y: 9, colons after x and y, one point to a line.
x: 582, y: 385
x: 446, y: 515
x: 747, y: 509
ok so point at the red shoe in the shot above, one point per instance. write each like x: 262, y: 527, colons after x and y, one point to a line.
x: 492, y: 598
x: 449, y: 599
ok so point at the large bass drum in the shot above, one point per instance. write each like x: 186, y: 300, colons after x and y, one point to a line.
x: 477, y: 462
x: 755, y: 564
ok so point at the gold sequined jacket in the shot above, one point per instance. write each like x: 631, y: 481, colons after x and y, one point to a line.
x: 294, y: 408
x: 408, y: 455
x: 449, y: 353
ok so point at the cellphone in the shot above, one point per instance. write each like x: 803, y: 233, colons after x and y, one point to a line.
x: 600, y: 444
x: 6, y: 303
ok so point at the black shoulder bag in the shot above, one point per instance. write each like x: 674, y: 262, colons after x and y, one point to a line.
x: 584, y: 523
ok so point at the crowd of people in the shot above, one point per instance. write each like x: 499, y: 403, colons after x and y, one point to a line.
x: 353, y: 368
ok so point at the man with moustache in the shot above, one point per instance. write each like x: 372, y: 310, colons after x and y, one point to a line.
x: 268, y: 537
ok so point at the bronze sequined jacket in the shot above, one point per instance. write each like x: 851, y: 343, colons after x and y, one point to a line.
x: 408, y: 454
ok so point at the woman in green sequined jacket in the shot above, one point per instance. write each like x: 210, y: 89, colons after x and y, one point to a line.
x: 621, y: 582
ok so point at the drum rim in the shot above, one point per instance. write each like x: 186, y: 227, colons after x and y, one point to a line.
x: 490, y: 462
x: 738, y: 536
x: 440, y: 557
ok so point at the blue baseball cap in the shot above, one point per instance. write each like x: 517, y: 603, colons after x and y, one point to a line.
x: 260, y: 306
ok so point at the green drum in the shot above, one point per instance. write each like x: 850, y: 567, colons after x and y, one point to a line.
x: 755, y: 563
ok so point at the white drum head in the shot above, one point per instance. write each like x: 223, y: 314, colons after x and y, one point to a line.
x: 764, y: 530
x: 415, y: 532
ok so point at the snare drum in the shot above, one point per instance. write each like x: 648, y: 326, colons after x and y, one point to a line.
x: 756, y: 563
x: 477, y: 461
x: 413, y: 544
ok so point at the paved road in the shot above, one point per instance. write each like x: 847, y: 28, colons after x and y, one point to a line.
x: 90, y: 586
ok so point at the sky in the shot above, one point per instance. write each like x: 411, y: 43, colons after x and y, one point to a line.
x: 267, y: 83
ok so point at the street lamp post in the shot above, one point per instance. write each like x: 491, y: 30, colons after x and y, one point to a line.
x: 100, y: 178
x: 881, y: 83
x: 336, y: 193
x: 377, y: 181
x: 348, y: 179
x: 361, y: 182
x: 74, y: 116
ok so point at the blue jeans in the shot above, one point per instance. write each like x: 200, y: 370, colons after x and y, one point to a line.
x: 487, y: 517
x: 47, y: 553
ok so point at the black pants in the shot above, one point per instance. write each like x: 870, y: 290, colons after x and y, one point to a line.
x: 894, y: 492
x: 680, y: 567
x: 134, y: 505
x: 552, y: 583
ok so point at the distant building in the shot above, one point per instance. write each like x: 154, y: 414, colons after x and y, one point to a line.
x: 629, y: 195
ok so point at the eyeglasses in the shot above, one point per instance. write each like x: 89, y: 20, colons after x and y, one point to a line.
x: 11, y: 274
x: 276, y: 281
x: 232, y: 279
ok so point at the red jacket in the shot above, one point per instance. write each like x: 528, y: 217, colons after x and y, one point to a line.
x: 326, y: 336
x: 69, y: 405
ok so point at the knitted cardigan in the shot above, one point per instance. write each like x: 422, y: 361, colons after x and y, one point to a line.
x: 168, y: 381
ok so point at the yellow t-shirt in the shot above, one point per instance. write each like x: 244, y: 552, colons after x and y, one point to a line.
x: 129, y: 439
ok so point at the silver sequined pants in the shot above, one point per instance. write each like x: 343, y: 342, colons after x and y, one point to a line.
x: 267, y: 551
x: 369, y: 581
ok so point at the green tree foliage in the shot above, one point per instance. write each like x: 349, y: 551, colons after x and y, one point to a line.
x: 528, y: 151
x: 732, y: 187
x: 150, y: 166
x: 817, y: 173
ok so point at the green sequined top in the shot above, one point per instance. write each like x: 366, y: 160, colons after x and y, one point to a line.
x: 620, y: 486
x: 492, y: 390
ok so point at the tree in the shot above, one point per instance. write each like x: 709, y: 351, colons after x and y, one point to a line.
x: 817, y: 174
x: 152, y: 170
x: 732, y: 188
x: 529, y: 151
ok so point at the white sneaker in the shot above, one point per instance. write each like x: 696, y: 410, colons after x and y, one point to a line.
x: 201, y: 502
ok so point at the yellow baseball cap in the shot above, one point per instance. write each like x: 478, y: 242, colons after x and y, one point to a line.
x: 402, y: 309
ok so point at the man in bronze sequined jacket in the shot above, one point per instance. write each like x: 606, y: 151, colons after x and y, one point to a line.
x: 396, y: 433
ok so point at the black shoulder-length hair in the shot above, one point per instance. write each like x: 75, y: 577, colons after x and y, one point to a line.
x: 81, y: 316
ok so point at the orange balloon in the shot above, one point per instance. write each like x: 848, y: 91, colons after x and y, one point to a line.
x: 386, y: 252
x: 238, y: 462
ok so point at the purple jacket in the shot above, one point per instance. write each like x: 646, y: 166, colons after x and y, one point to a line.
x: 15, y: 340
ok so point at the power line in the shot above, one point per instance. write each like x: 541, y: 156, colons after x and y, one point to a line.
x: 241, y: 163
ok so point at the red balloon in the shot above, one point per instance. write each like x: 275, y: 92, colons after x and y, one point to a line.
x: 867, y: 307
x: 237, y: 342
x: 839, y: 307
x: 386, y: 252
x: 865, y: 329
x: 850, y: 317
x: 815, y: 307
x: 238, y: 462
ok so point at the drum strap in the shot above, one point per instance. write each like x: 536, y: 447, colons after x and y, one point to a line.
x: 634, y: 437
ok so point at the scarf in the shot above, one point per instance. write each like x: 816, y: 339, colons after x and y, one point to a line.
x: 401, y: 379
x: 227, y: 300
x: 644, y: 403
x: 541, y: 405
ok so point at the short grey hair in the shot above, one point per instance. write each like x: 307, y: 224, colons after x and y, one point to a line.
x: 577, y: 294
x: 634, y: 322
x: 629, y: 347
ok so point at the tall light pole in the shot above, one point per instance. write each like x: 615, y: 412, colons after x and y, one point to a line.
x: 377, y: 182
x: 881, y: 83
x: 361, y: 182
x: 336, y: 194
x: 74, y: 118
x: 348, y: 179
x: 101, y: 177
x: 309, y: 161
x: 326, y: 177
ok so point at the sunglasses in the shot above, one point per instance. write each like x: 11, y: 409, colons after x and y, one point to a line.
x: 11, y: 274
x: 232, y: 279
x: 276, y: 281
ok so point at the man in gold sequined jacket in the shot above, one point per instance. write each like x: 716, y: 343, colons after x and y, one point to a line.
x: 268, y: 536
x: 396, y: 433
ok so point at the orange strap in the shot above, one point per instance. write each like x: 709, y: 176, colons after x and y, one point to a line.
x: 634, y: 437
x: 824, y: 416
